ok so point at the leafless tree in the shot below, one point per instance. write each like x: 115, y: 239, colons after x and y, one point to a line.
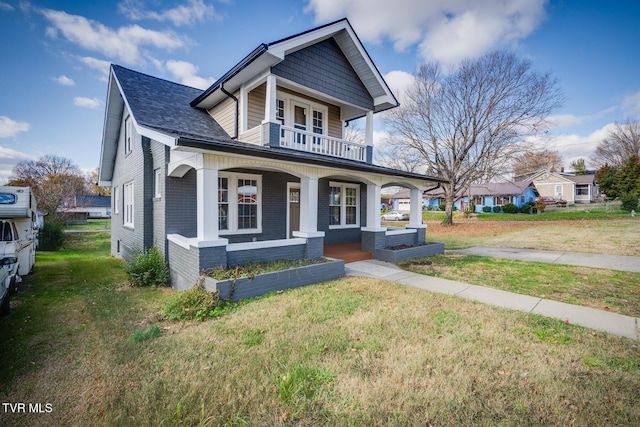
x: 466, y: 124
x: 622, y: 142
x: 532, y: 161
x: 395, y: 155
x: 54, y: 180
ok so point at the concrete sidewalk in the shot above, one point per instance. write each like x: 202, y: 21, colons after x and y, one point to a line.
x: 609, y: 262
x: 599, y: 320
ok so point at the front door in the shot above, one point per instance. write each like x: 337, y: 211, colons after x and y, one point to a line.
x: 294, y: 209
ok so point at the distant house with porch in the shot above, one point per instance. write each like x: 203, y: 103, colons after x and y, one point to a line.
x: 560, y: 185
x: 490, y: 195
x: 255, y: 167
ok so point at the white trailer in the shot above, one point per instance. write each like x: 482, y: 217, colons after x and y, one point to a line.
x: 18, y: 231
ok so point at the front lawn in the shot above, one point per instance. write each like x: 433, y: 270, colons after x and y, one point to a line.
x: 353, y: 351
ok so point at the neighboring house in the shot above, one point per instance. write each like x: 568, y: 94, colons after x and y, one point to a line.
x: 490, y: 194
x: 572, y: 188
x: 254, y: 167
x: 90, y: 206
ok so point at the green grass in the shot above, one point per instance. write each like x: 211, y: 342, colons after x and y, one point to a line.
x: 617, y: 291
x: 353, y: 351
x: 92, y: 224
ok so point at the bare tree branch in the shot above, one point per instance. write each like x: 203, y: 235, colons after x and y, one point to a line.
x: 466, y: 125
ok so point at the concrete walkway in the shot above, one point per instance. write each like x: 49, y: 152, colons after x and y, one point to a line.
x: 599, y: 320
x: 609, y: 262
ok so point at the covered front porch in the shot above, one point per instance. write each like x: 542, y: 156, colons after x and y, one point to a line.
x: 254, y: 210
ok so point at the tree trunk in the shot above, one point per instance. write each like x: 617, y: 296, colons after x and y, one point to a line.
x: 448, y: 212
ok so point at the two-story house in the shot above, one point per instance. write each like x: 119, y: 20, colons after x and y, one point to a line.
x: 255, y: 167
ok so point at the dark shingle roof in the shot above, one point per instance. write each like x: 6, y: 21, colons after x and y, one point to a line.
x: 164, y: 106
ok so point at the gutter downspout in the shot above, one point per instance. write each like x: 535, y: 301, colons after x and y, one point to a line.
x: 230, y: 95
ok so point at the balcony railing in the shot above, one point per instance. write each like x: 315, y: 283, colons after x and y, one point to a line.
x: 322, y: 144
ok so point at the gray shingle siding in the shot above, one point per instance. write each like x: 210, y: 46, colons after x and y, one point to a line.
x: 181, y: 212
x: 324, y: 67
x: 127, y: 169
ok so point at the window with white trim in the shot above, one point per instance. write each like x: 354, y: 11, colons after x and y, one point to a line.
x: 128, y: 205
x: 157, y: 180
x: 116, y: 200
x: 344, y: 205
x: 128, y: 130
x: 558, y: 190
x: 239, y: 203
x: 303, y: 114
x: 501, y: 200
x: 478, y: 200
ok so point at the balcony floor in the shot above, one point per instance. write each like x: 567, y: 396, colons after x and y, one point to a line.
x: 348, y: 252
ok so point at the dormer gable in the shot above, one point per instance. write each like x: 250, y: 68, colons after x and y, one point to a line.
x: 280, y: 56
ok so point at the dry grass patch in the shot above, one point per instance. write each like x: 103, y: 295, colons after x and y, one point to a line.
x: 354, y: 351
x: 607, y: 237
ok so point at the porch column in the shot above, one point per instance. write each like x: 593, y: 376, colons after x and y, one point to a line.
x: 270, y: 100
x: 415, y: 220
x: 368, y: 130
x: 207, y: 200
x: 416, y: 207
x: 309, y: 218
x: 373, y: 208
x: 308, y: 208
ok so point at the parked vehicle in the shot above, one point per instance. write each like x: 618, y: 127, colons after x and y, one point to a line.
x: 553, y: 201
x: 394, y: 216
x: 5, y: 285
x: 18, y: 232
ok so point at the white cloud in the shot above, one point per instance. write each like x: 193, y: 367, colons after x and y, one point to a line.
x: 97, y: 64
x: 9, y: 127
x: 186, y: 72
x: 399, y: 82
x: 631, y: 106
x: 8, y: 159
x: 86, y: 102
x: 195, y: 11
x: 123, y: 44
x: 64, y: 80
x: 6, y: 6
x: 444, y: 30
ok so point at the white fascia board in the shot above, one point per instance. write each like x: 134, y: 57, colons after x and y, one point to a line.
x: 111, y: 129
x: 286, y: 47
x: 155, y: 135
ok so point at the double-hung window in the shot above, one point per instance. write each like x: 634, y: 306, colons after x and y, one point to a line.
x: 344, y: 205
x: 478, y: 200
x: 128, y: 205
x: 128, y: 130
x: 239, y: 203
x: 116, y: 200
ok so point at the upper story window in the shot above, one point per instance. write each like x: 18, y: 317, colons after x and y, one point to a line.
x: 157, y: 182
x: 302, y: 114
x: 128, y: 129
x: 116, y: 200
x: 239, y: 203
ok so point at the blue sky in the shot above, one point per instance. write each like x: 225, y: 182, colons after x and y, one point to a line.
x: 55, y: 56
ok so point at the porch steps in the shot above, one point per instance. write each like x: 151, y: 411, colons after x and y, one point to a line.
x: 348, y: 252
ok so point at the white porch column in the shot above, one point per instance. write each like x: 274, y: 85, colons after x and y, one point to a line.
x: 373, y: 208
x: 308, y: 209
x: 270, y: 100
x: 415, y: 221
x: 207, y: 199
x: 368, y: 130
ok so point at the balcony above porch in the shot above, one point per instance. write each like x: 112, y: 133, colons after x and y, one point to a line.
x: 277, y: 135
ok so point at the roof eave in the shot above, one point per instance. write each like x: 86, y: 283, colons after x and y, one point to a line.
x: 295, y: 156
